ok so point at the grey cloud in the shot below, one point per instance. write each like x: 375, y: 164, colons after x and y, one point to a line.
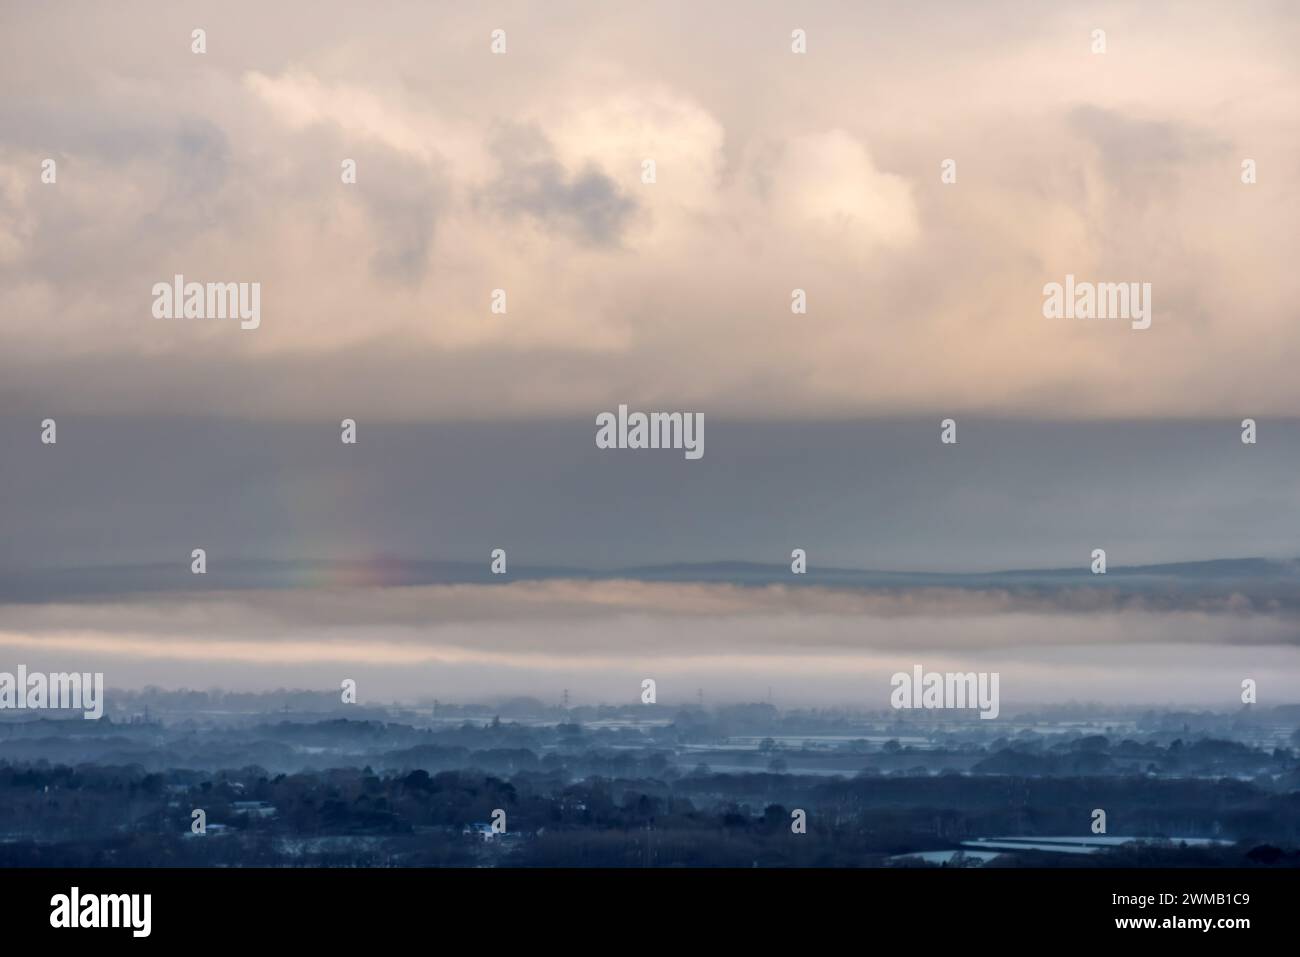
x: 858, y: 494
x: 587, y: 202
x: 404, y: 199
x: 177, y: 168
x: 850, y: 617
x: 1139, y: 156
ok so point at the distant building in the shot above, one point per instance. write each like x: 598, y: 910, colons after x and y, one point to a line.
x: 255, y: 808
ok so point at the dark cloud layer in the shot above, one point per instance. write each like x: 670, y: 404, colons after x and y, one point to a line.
x: 859, y: 494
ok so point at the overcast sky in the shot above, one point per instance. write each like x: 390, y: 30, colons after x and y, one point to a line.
x: 857, y: 494
x: 775, y: 171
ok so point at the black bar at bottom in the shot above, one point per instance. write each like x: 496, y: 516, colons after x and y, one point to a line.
x: 332, y: 906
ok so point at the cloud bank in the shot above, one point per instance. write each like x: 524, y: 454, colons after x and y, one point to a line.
x: 603, y: 637
x: 774, y: 171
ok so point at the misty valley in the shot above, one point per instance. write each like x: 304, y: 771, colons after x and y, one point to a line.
x: 285, y: 779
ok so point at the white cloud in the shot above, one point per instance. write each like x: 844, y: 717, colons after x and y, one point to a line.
x: 774, y: 172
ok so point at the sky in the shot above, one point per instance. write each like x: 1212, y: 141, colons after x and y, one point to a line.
x: 524, y: 172
x: 870, y: 494
x: 774, y: 172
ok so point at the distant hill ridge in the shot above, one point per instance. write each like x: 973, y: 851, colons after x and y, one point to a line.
x: 53, y: 584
